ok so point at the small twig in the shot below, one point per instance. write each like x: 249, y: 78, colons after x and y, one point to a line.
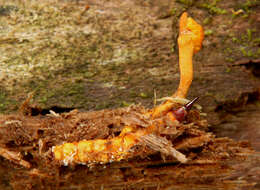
x: 179, y: 101
x: 154, y: 98
x: 175, y: 100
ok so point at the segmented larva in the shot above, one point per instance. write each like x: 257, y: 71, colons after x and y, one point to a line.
x: 100, y: 150
x: 109, y: 150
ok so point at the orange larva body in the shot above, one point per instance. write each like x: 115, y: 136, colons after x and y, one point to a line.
x: 100, y: 150
x: 104, y: 150
x: 115, y: 149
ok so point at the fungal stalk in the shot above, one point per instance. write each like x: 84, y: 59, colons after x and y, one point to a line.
x: 189, y: 42
x: 121, y: 147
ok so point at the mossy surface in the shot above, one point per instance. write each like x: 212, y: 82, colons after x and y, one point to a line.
x: 116, y: 53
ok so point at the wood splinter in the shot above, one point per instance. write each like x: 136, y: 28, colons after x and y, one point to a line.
x: 14, y: 157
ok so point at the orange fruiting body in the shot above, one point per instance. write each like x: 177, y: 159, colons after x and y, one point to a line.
x: 120, y: 147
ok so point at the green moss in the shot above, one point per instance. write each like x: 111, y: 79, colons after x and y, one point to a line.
x: 2, y: 101
x: 207, y: 20
x: 212, y: 8
x: 249, y: 4
x: 7, y: 104
x: 103, y: 105
x: 235, y: 40
x: 89, y: 74
x: 258, y: 52
x: 250, y: 53
x: 208, y: 32
x: 173, y: 11
x: 228, y: 50
x: 228, y: 70
x: 256, y: 41
x: 187, y: 3
x: 249, y: 34
x: 126, y: 104
x: 229, y: 59
x: 244, y: 44
x: 243, y: 51
x: 55, y: 54
x: 143, y: 95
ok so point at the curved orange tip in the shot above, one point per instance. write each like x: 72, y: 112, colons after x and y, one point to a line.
x: 190, y: 26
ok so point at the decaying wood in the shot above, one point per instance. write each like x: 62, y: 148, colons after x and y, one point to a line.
x: 14, y: 157
x: 30, y: 139
x: 164, y: 146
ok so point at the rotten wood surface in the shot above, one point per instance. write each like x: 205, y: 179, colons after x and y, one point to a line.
x: 212, y: 162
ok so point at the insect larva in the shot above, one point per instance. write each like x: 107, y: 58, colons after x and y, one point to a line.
x: 109, y: 150
x: 100, y: 150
